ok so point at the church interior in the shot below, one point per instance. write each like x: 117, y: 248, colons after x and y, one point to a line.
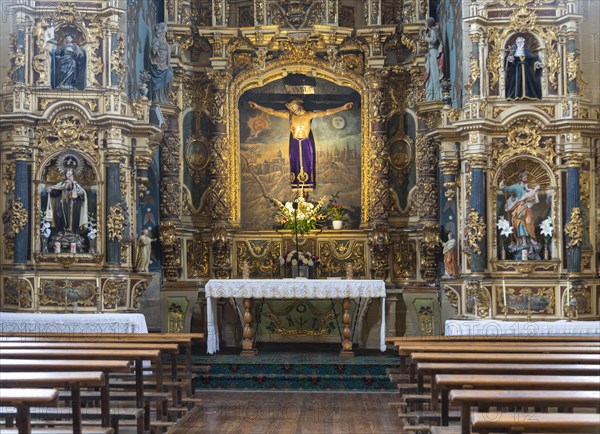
x: 323, y: 201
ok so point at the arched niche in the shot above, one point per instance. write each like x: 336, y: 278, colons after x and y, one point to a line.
x: 249, y: 85
x: 525, y: 197
x: 68, y: 195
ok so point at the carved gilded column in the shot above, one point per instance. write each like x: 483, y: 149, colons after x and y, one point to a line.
x: 21, y: 206
x: 574, y: 224
x: 222, y: 194
x: 170, y: 193
x: 476, y: 215
x: 427, y: 201
x: 379, y: 200
x: 114, y: 209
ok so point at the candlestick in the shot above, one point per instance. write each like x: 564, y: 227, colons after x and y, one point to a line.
x: 568, y: 297
x: 504, y: 291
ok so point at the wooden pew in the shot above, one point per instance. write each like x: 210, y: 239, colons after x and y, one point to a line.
x: 518, y: 423
x: 22, y: 399
x: 138, y: 356
x: 406, y: 350
x: 434, y: 369
x: 521, y: 398
x: 71, y: 380
x: 498, y: 358
x: 475, y: 338
x: 446, y: 384
x: 170, y: 349
x: 107, y: 367
x: 184, y: 340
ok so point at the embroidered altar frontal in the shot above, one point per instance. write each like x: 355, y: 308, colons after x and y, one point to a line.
x: 289, y: 288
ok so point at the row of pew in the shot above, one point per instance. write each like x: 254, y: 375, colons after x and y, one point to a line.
x: 476, y: 384
x: 95, y: 383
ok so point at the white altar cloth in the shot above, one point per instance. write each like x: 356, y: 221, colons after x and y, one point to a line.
x: 521, y: 328
x: 288, y: 288
x: 11, y: 322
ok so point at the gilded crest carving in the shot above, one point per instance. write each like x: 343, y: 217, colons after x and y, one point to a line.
x: 475, y: 226
x: 574, y: 228
x: 17, y: 217
x: 116, y: 222
x: 67, y: 132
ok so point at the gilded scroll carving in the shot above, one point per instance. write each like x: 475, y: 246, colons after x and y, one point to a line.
x: 405, y: 258
x: 197, y: 255
x: 261, y: 256
x: 18, y: 292
x: 336, y: 254
x: 136, y: 294
x: 114, y: 294
x: 478, y: 299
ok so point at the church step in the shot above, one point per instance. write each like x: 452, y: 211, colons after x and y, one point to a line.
x: 275, y: 381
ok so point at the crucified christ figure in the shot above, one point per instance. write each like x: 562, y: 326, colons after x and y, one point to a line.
x: 302, y: 144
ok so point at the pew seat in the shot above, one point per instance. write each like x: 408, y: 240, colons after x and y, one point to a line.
x: 514, y: 422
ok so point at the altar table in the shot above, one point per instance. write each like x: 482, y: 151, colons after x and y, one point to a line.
x: 521, y: 328
x: 289, y: 288
x: 20, y: 322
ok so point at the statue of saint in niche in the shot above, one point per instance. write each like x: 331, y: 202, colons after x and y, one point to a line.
x: 68, y: 205
x: 68, y: 65
x: 160, y: 68
x: 523, y: 71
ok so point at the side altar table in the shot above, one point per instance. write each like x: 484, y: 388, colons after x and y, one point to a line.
x: 21, y: 322
x: 289, y: 288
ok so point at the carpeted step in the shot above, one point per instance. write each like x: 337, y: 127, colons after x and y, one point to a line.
x: 294, y: 382
x: 296, y: 371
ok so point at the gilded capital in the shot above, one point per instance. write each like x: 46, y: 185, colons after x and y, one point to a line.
x: 574, y: 159
x: 477, y: 161
x: 448, y: 167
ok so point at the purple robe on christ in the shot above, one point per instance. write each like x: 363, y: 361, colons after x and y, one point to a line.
x: 302, y: 162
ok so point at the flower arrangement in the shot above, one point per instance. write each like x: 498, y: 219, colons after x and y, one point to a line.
x: 336, y: 212
x: 300, y: 258
x: 547, y: 228
x: 303, y: 219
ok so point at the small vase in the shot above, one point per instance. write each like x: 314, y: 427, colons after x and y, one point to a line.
x: 337, y: 224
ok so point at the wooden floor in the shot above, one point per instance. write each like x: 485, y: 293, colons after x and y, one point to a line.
x: 252, y: 412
